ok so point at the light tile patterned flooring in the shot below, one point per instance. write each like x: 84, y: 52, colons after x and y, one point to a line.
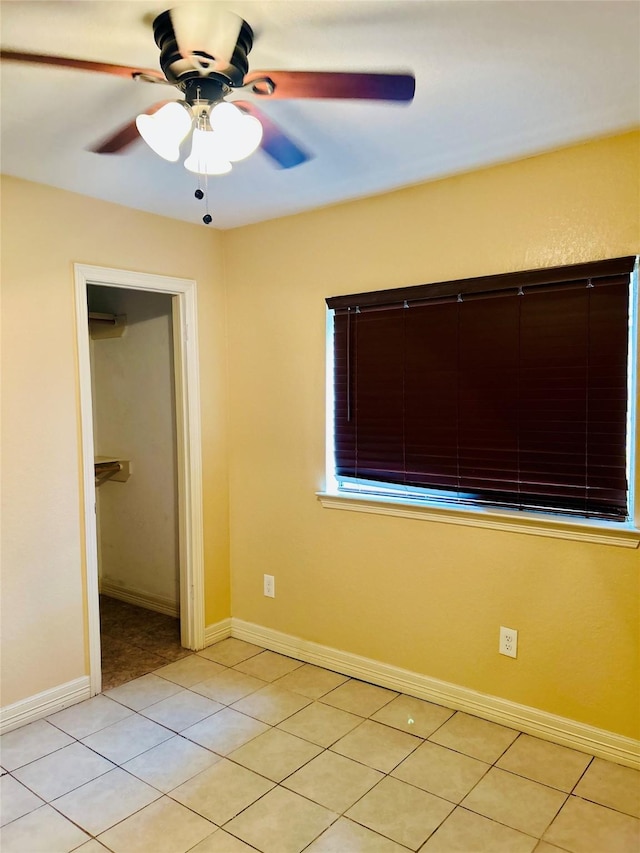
x: 240, y: 749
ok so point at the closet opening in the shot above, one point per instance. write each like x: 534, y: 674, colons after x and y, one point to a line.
x: 141, y: 471
x: 136, y: 478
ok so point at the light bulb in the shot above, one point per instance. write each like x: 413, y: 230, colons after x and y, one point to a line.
x: 239, y: 134
x: 206, y: 156
x: 164, y: 131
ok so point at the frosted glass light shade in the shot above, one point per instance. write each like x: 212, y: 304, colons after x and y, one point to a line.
x: 206, y: 156
x: 239, y: 134
x: 164, y: 131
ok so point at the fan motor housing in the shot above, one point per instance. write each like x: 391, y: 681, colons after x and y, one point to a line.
x: 178, y: 70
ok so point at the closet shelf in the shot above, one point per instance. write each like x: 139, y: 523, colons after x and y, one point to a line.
x: 106, y: 325
x: 111, y: 468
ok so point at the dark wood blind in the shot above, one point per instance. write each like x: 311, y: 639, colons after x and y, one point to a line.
x: 512, y: 393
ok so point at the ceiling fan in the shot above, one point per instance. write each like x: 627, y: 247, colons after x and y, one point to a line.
x: 203, y: 54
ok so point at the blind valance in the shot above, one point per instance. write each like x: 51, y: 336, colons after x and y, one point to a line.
x: 577, y: 275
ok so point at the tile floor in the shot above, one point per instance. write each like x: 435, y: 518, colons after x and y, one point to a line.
x: 241, y: 749
x: 135, y: 641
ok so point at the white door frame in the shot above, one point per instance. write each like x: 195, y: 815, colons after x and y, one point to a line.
x: 188, y: 446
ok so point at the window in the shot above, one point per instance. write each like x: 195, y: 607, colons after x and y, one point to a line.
x: 505, y: 391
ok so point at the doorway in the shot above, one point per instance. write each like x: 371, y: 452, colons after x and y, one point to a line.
x: 134, y: 437
x: 160, y: 309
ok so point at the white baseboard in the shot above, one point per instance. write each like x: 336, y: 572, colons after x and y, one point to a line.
x: 45, y: 703
x: 216, y: 632
x: 159, y: 603
x: 542, y: 724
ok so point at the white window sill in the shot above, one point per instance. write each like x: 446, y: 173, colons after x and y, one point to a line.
x: 589, y: 530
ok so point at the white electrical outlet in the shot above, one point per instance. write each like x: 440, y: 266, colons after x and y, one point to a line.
x: 270, y: 586
x: 508, y: 642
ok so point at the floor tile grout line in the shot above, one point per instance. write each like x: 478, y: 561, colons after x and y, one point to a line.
x: 179, y: 733
x: 121, y: 820
x: 584, y: 772
x: 340, y: 814
x: 567, y: 796
x: 537, y: 838
x: 20, y: 766
x: 280, y: 783
x: 489, y: 766
x: 174, y: 733
x: 471, y: 809
x: 546, y: 829
x: 385, y: 776
x: 276, y: 784
x: 47, y: 800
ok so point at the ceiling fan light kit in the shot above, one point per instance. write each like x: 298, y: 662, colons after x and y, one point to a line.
x: 203, y: 54
x: 222, y: 134
x: 165, y: 130
x: 206, y: 157
x: 239, y: 134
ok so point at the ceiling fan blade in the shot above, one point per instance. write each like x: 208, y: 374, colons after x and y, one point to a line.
x: 275, y: 142
x: 125, y: 136
x: 331, y: 84
x: 206, y: 28
x: 81, y: 64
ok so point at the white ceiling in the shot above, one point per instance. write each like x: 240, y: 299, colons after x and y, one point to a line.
x: 494, y: 81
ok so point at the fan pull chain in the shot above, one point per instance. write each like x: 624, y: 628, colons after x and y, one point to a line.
x: 199, y: 194
x: 207, y: 218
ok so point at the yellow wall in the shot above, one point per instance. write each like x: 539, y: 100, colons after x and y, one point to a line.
x: 44, y: 231
x: 421, y: 595
x: 425, y: 596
